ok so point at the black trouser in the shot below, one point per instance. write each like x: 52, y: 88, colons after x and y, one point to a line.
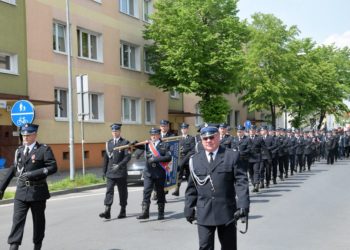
x: 254, y: 171
x: 122, y: 190
x: 19, y: 219
x: 227, y: 237
x: 292, y: 163
x: 274, y: 167
x: 309, y: 160
x: 299, y: 162
x: 148, y: 184
x: 347, y: 151
x: 265, y: 170
x: 330, y: 157
x: 184, y: 171
x: 283, y: 165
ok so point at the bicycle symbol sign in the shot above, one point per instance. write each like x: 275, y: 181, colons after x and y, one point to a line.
x: 22, y: 112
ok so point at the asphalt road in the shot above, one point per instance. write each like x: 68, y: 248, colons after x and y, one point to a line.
x: 308, y: 211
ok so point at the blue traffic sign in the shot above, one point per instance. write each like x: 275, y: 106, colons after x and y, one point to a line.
x: 22, y: 112
x: 247, y: 124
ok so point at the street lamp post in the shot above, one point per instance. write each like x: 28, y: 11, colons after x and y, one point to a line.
x: 70, y: 96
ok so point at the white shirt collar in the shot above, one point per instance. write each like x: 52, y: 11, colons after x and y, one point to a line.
x: 214, y: 154
x: 31, y: 146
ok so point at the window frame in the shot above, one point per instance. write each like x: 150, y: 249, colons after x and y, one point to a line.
x: 137, y: 110
x: 145, y: 16
x: 127, y: 11
x: 100, y: 103
x: 55, y: 35
x: 152, y: 119
x: 59, y: 117
x: 13, y: 63
x: 147, y: 67
x: 99, y: 45
x: 12, y: 2
x: 136, y: 54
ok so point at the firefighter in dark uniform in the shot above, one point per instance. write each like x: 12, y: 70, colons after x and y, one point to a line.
x: 266, y: 162
x: 299, y: 151
x: 308, y: 148
x: 282, y: 153
x: 217, y: 177
x: 256, y: 147
x: 274, y: 153
x: 164, y: 132
x: 291, y: 150
x: 225, y: 139
x: 187, y: 148
x: 33, y: 163
x: 157, y: 154
x: 115, y: 170
x: 241, y: 144
x: 329, y: 147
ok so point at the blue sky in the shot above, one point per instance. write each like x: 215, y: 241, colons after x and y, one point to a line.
x: 325, y: 21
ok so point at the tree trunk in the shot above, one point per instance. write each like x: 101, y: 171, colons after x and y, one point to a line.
x: 273, y: 115
x: 322, y: 116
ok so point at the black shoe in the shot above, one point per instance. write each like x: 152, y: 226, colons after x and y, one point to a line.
x: 122, y: 213
x: 14, y: 247
x: 161, y: 211
x: 107, y: 213
x: 145, y: 212
x: 37, y: 246
x: 176, y: 192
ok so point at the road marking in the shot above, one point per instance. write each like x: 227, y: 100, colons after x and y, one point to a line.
x: 74, y: 196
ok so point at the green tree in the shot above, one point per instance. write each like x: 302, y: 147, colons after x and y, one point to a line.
x: 196, y: 47
x: 265, y: 77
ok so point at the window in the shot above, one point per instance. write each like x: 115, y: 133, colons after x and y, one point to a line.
x: 96, y: 107
x: 174, y: 94
x: 61, y: 108
x: 9, y: 1
x: 59, y: 37
x: 147, y: 9
x: 129, y: 7
x: 131, y: 110
x: 199, y: 119
x: 149, y: 112
x: 8, y: 63
x: 89, y: 45
x: 148, y: 68
x: 129, y: 56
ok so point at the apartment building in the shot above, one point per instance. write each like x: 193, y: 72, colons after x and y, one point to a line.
x: 13, y: 71
x: 107, y: 45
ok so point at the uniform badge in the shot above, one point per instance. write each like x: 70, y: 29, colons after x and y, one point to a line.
x: 33, y: 158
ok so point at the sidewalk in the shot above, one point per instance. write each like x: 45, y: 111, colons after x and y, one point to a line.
x: 59, y: 175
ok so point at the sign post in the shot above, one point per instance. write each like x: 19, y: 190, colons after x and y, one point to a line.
x: 83, y: 109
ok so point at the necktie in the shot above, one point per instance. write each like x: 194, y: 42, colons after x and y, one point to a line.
x: 211, y: 160
x: 115, y: 142
x: 26, y: 153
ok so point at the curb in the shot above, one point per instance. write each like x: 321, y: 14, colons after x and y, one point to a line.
x: 68, y: 191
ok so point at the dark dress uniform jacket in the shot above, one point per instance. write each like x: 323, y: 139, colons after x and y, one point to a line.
x: 155, y: 170
x: 116, y: 157
x: 241, y: 145
x: 226, y: 141
x: 299, y: 146
x: 187, y: 148
x: 257, y: 145
x: 39, y: 158
x: 217, y: 206
x: 269, y: 146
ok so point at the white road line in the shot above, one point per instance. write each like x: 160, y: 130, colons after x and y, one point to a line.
x: 72, y: 196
